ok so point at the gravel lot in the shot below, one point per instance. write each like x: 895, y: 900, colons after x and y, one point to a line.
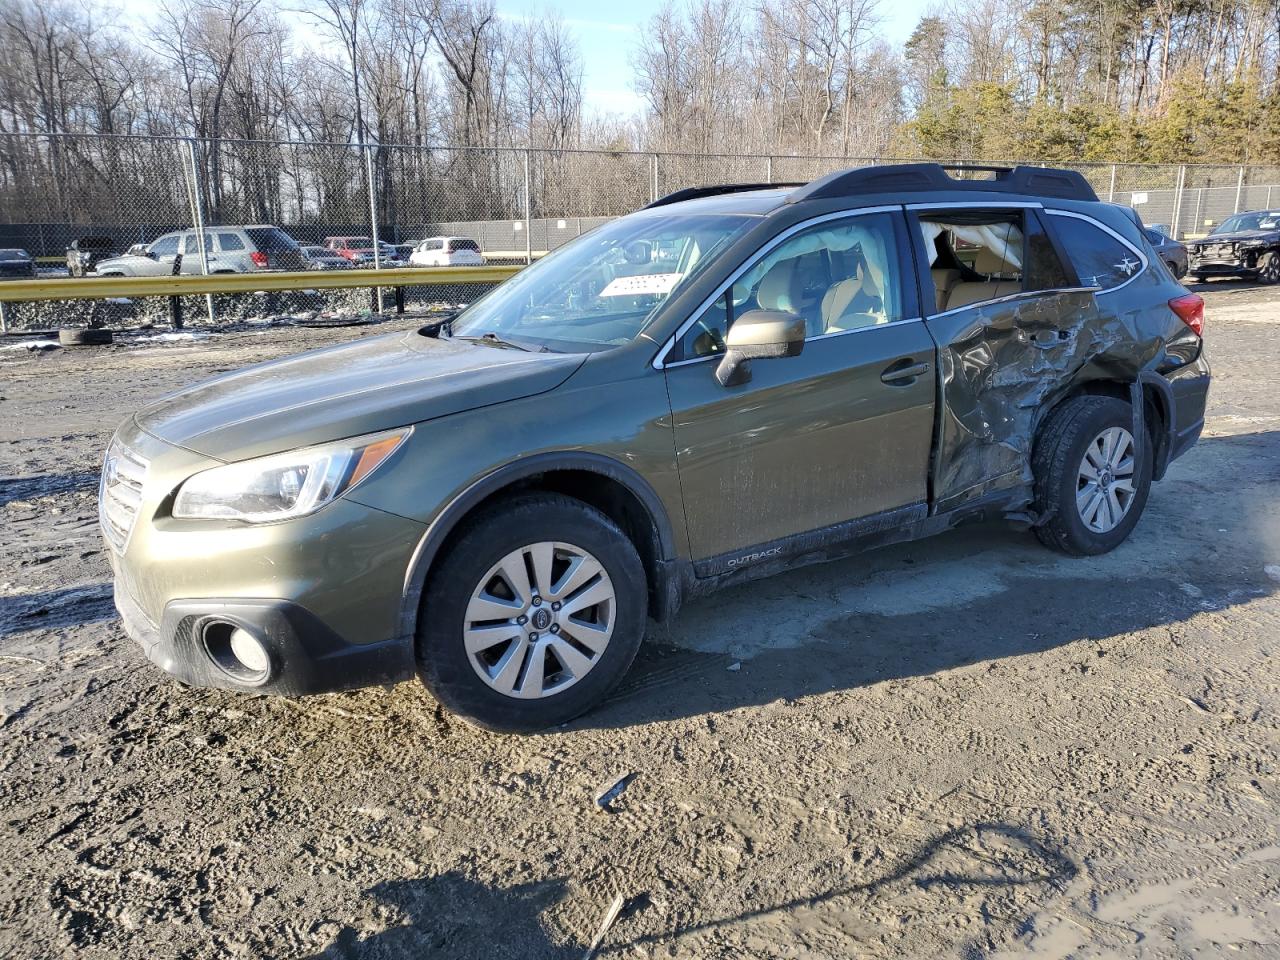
x: 963, y: 747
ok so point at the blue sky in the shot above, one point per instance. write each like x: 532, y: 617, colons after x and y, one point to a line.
x: 608, y: 32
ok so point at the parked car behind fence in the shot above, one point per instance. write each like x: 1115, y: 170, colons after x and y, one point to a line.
x: 229, y: 249
x: 84, y: 254
x: 447, y: 252
x: 16, y: 264
x: 1245, y: 245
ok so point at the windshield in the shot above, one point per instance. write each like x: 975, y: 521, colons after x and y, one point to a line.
x: 14, y: 255
x: 1265, y: 220
x: 601, y: 289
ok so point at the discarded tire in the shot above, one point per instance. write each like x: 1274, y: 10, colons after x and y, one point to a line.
x: 87, y: 337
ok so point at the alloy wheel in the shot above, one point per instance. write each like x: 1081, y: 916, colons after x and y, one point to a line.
x: 1104, y: 482
x: 539, y: 620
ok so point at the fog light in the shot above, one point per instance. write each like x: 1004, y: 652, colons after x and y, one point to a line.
x: 236, y: 652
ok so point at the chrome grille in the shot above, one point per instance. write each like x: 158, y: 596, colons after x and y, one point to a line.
x: 120, y: 494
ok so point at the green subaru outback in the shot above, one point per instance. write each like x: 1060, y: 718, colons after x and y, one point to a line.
x: 725, y: 384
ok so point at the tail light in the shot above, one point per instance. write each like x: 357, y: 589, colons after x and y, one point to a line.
x: 1190, y: 310
x: 260, y: 259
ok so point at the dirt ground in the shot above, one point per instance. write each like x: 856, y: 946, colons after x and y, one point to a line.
x: 966, y: 747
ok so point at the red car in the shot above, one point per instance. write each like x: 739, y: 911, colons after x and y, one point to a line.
x: 358, y: 250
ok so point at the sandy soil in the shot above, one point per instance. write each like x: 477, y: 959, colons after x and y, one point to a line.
x: 965, y: 747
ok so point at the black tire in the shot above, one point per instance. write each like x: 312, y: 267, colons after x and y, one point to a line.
x: 445, y: 667
x: 1198, y: 278
x: 85, y: 337
x: 1059, y: 450
x: 1174, y: 269
x: 1269, y: 267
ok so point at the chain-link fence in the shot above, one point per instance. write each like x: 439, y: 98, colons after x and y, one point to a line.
x: 103, y: 202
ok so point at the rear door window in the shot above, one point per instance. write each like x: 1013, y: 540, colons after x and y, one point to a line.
x: 1101, y: 259
x: 268, y: 239
x: 976, y: 256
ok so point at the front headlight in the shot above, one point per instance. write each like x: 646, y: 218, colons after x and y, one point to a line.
x: 284, y: 485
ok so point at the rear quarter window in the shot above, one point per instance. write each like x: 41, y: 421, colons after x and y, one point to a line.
x: 271, y: 238
x: 1101, y: 259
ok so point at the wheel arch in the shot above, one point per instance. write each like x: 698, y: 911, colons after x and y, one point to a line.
x: 1157, y: 408
x: 610, y: 486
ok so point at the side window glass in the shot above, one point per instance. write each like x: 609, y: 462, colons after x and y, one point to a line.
x: 1045, y: 270
x: 836, y: 276
x: 974, y: 256
x: 1099, y: 258
x: 165, y: 246
x: 230, y: 241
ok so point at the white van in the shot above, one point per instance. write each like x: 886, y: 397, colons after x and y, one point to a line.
x: 447, y: 252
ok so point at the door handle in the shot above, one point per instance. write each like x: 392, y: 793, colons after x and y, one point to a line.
x: 903, y: 372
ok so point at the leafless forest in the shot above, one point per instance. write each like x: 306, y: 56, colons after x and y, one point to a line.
x: 437, y: 88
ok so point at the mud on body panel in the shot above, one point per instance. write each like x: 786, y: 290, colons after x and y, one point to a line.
x: 1002, y: 365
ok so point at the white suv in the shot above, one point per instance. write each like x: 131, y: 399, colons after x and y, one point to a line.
x: 447, y: 252
x: 229, y: 250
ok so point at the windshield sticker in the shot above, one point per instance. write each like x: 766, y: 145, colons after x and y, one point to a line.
x: 645, y: 283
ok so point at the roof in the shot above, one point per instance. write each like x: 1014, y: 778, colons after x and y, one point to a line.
x: 916, y: 179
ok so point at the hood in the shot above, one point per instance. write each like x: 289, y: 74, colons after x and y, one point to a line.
x: 1237, y: 236
x: 344, y: 391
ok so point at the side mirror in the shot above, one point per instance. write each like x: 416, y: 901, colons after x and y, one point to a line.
x: 759, y: 335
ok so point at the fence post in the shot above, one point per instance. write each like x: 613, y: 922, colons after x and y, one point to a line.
x: 1199, y: 208
x: 768, y: 169
x: 1177, y: 200
x: 1111, y: 190
x: 197, y: 207
x: 653, y: 178
x: 528, y: 212
x: 373, y: 222
x: 4, y: 318
x: 1239, y: 189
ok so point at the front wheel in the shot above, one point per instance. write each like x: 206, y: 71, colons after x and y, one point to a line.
x: 1269, y: 267
x: 534, y: 615
x: 1092, y: 476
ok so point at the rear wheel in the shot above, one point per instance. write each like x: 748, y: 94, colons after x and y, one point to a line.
x: 534, y: 615
x: 1092, y: 476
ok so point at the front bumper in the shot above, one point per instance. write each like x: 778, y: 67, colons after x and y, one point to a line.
x: 321, y: 593
x: 306, y: 656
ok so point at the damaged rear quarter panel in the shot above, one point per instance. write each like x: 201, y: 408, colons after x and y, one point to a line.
x: 1003, y: 365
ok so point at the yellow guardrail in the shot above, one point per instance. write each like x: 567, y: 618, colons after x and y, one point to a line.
x: 97, y: 288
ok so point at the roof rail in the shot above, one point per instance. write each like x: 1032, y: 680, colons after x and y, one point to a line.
x: 693, y: 193
x: 924, y: 177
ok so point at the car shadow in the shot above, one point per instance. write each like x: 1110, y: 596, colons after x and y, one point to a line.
x: 986, y: 855
x: 977, y: 595
x: 16, y: 489
x: 452, y: 916
x: 56, y: 609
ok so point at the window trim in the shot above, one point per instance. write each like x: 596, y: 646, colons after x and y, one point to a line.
x: 659, y: 359
x: 1142, y: 257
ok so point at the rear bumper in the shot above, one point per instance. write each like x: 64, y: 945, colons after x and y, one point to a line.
x: 1189, y: 386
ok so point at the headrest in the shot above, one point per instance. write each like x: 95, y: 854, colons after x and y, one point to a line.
x: 988, y: 261
x: 777, y: 290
